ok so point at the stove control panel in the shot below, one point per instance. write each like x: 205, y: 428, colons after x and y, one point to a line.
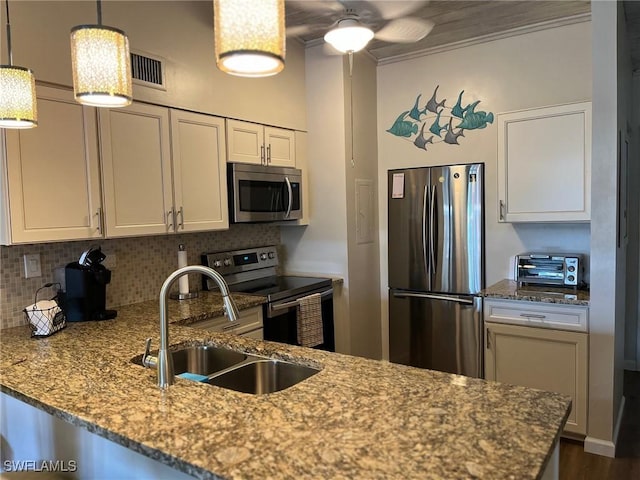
x: 236, y: 261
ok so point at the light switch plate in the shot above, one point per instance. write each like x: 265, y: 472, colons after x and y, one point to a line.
x: 32, y: 267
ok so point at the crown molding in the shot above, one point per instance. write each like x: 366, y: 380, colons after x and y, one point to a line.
x: 536, y: 27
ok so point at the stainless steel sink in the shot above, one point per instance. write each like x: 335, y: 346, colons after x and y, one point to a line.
x: 262, y: 376
x: 205, y: 359
x: 237, y: 371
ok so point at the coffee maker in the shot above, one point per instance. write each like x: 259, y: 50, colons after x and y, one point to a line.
x: 86, y: 287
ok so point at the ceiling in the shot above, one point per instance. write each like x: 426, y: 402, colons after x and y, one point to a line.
x: 455, y: 20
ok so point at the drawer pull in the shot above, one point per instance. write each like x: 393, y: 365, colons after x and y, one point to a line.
x: 532, y: 315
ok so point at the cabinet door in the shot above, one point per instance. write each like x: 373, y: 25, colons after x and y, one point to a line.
x: 281, y: 147
x: 245, y: 142
x: 199, y: 172
x: 540, y: 358
x: 544, y: 164
x: 136, y: 169
x: 53, y: 172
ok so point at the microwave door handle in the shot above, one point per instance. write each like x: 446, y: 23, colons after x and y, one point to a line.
x: 290, y: 192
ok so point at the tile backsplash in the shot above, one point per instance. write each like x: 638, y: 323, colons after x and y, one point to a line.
x: 141, y: 264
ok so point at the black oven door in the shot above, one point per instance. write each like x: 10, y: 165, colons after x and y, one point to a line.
x: 281, y: 321
x: 263, y: 194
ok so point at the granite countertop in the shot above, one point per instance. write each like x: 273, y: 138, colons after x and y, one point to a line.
x: 510, y: 290
x: 356, y: 418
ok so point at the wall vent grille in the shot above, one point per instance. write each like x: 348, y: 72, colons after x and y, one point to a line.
x: 147, y: 71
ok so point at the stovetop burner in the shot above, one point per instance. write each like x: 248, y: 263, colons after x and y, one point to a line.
x: 279, y: 287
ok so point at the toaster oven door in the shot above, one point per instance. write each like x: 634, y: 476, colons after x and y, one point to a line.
x: 540, y: 270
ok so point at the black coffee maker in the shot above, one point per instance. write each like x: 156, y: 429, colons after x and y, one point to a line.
x: 86, y: 288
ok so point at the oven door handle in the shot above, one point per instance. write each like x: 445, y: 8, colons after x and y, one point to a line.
x: 295, y: 303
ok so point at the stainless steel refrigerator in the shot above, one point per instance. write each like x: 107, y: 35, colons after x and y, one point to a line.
x: 436, y: 268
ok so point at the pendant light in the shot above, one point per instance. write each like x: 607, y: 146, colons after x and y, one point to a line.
x: 249, y: 36
x: 101, y: 65
x: 17, y: 92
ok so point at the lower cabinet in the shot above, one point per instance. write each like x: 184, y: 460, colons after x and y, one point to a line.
x: 541, y: 358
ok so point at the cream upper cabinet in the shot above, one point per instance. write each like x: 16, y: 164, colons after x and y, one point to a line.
x: 544, y: 164
x: 199, y: 172
x: 551, y: 354
x: 136, y: 170
x: 254, y: 143
x: 164, y: 171
x: 51, y: 174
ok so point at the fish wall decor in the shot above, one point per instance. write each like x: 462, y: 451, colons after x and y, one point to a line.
x: 411, y: 123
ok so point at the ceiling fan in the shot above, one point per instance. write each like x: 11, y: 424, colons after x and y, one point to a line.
x: 351, y: 24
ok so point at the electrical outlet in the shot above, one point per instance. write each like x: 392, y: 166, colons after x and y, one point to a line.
x: 32, y: 267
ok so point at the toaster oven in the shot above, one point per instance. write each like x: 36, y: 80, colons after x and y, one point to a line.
x: 565, y: 270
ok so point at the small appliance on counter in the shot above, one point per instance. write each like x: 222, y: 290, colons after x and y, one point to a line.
x: 86, y: 288
x: 559, y: 269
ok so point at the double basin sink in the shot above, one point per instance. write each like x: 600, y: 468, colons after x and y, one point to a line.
x: 237, y: 371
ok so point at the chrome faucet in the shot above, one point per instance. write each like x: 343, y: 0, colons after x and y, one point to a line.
x: 164, y: 362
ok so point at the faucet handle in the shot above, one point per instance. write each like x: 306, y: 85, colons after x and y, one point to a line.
x: 149, y: 360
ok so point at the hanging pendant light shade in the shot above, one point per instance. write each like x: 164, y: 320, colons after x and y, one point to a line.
x: 249, y: 36
x: 101, y: 65
x: 18, y: 107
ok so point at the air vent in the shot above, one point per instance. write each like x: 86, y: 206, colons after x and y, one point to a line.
x: 147, y: 71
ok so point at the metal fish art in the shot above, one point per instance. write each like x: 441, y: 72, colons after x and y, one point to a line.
x: 473, y: 120
x: 428, y: 118
x: 457, y: 110
x: 421, y: 141
x: 451, y: 137
x: 432, y: 105
x: 435, y: 127
x: 415, y: 112
x: 402, y: 127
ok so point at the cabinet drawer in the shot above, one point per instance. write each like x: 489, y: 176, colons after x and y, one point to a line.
x: 536, y: 314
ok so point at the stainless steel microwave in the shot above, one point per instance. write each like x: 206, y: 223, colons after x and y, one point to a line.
x: 260, y: 193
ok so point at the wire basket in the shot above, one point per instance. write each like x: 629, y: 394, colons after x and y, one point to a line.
x: 45, y: 317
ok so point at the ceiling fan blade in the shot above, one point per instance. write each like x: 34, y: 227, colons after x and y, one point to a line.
x: 298, y: 30
x: 390, y: 10
x: 405, y: 30
x: 317, y: 6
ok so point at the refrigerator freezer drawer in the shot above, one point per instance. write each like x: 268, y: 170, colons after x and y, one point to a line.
x: 435, y: 331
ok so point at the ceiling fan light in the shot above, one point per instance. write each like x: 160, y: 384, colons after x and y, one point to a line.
x: 249, y: 37
x: 17, y: 97
x: 349, y: 36
x: 101, y: 66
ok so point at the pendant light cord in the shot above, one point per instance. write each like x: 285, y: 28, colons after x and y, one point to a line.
x: 9, y: 35
x: 99, y: 7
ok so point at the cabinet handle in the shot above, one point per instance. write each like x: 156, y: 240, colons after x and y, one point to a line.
x: 502, y: 205
x: 269, y: 153
x: 99, y: 215
x: 170, y: 219
x: 488, y: 341
x: 532, y: 315
x: 263, y: 157
x: 181, y: 213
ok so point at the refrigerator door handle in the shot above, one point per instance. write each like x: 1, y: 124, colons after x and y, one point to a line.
x: 424, y: 230
x: 431, y: 230
x: 466, y: 301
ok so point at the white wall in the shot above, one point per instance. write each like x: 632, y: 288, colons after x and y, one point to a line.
x: 321, y: 247
x: 179, y: 31
x: 362, y: 164
x: 533, y: 70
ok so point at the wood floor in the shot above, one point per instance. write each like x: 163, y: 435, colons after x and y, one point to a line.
x: 575, y: 464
